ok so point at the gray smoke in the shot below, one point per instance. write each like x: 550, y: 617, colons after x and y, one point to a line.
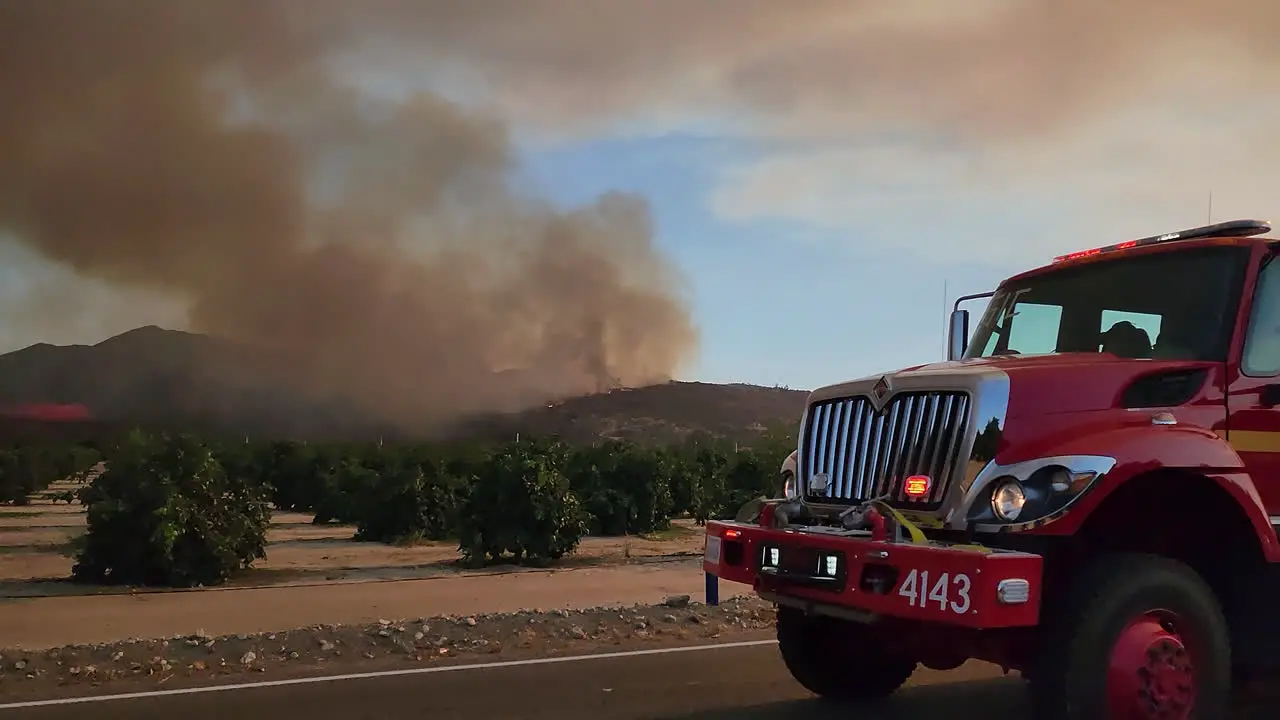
x: 379, y: 249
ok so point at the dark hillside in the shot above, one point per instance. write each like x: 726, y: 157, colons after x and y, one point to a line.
x: 170, y: 379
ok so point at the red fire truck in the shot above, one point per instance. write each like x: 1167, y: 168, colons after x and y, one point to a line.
x: 1086, y: 492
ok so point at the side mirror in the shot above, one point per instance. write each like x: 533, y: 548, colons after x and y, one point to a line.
x: 958, y: 334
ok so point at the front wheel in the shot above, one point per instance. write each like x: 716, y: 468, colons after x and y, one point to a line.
x: 838, y: 659
x: 1138, y: 637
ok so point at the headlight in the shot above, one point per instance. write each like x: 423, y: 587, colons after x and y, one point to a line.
x: 770, y: 557
x: 789, y: 486
x: 1034, y: 489
x: 1008, y: 499
x: 1060, y: 479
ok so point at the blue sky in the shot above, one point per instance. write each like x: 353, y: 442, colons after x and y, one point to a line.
x: 779, y: 302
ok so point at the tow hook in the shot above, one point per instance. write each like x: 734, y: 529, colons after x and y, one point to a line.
x: 865, y: 517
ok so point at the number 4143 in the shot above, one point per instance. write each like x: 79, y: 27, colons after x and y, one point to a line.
x: 949, y: 593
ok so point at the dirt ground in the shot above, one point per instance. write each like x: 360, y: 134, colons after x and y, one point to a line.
x: 52, y: 621
x: 315, y: 575
x: 323, y: 603
x: 34, y: 550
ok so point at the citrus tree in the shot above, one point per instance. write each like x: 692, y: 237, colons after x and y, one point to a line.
x: 411, y: 497
x: 28, y: 469
x: 165, y: 512
x: 521, y: 506
x: 625, y: 489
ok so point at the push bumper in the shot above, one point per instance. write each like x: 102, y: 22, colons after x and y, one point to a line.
x: 847, y: 573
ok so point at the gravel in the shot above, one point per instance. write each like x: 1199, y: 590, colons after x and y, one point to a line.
x: 189, y: 658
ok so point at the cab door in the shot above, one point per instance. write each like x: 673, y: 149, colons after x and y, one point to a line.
x: 1253, y: 396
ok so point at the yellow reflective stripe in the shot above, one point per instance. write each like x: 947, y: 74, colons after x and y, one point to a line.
x: 1256, y: 441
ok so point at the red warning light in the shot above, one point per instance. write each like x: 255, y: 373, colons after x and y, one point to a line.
x: 917, y: 486
x: 1231, y: 228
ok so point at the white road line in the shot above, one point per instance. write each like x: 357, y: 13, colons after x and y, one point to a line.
x: 382, y: 674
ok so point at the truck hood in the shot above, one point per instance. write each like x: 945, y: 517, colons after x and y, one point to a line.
x: 1057, y: 383
x: 1063, y: 382
x: 1045, y: 405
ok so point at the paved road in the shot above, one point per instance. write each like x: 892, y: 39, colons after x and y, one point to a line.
x: 722, y: 684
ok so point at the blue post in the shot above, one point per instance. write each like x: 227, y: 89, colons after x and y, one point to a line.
x: 713, y: 589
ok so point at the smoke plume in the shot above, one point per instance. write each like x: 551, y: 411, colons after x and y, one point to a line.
x: 990, y: 69
x: 379, y: 249
x: 372, y: 236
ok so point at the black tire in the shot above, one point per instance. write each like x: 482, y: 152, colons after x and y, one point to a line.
x: 1069, y: 676
x: 837, y: 659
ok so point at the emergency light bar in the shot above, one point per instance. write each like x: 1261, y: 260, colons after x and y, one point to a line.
x: 1230, y: 228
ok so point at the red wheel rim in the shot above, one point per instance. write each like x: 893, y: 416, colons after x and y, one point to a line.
x: 1151, y: 672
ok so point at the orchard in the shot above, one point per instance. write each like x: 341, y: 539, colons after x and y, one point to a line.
x: 183, y: 511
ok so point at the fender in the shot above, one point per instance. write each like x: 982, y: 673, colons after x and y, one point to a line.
x: 791, y: 464
x: 1140, y: 450
x: 1151, y: 446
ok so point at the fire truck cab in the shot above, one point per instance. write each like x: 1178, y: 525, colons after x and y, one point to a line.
x: 1085, y: 492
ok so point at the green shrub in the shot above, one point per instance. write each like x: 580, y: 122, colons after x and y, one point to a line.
x: 241, y: 461
x: 774, y: 445
x: 531, y: 500
x: 411, y: 499
x: 166, y: 513
x: 83, y: 460
x: 16, y: 484
x: 708, y: 465
x: 746, y: 478
x: 294, y: 472
x: 521, y: 505
x: 682, y: 479
x: 625, y: 489
x: 66, y: 496
x: 27, y: 470
x: 342, y: 491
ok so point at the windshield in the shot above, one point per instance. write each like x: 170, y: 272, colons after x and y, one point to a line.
x: 1172, y: 305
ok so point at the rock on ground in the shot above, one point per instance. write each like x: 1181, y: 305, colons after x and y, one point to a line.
x: 413, y: 641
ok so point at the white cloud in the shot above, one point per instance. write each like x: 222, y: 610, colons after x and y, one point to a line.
x: 1019, y: 204
x: 1021, y: 129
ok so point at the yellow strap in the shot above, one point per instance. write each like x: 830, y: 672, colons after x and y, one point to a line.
x: 915, y: 533
x: 972, y: 547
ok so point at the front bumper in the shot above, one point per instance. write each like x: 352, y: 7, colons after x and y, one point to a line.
x: 846, y: 573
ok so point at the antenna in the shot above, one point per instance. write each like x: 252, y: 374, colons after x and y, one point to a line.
x: 1210, y: 206
x: 946, y: 320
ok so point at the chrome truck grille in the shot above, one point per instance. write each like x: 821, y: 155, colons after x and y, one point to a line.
x: 865, y: 453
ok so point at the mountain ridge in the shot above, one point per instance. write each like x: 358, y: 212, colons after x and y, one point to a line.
x: 173, y: 379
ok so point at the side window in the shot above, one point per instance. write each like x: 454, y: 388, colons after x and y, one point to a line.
x: 1033, y: 330
x: 1262, y: 344
x: 1147, y: 323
